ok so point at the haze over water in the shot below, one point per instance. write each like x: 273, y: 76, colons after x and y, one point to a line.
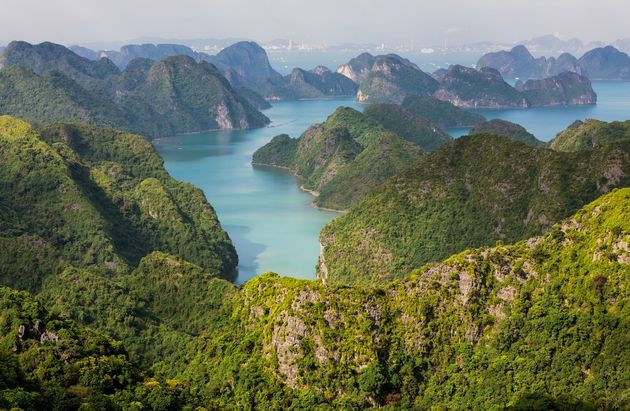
x: 270, y: 220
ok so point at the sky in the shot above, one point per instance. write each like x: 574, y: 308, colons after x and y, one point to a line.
x: 422, y: 22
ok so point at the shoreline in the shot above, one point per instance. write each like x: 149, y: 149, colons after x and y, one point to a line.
x: 301, y: 187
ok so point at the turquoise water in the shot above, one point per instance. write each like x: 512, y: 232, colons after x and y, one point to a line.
x: 270, y: 220
x: 613, y: 104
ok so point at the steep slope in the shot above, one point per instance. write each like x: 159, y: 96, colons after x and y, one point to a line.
x: 248, y: 60
x: 342, y: 159
x: 469, y: 88
x: 175, y: 95
x: 313, y: 84
x: 519, y: 63
x: 606, y: 63
x: 48, y: 56
x: 565, y: 89
x: 535, y: 325
x: 380, y: 160
x: 180, y: 95
x: 98, y: 199
x: 392, y: 78
x: 586, y: 135
x: 358, y: 68
x: 441, y: 113
x: 472, y: 192
x: 508, y: 129
x: 407, y: 125
x: 54, y: 97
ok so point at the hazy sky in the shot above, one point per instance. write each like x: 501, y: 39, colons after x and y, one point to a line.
x: 327, y: 21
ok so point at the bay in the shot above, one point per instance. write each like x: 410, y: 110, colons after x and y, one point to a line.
x: 271, y: 222
x: 269, y: 219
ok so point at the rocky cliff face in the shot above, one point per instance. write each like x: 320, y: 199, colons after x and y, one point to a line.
x: 469, y: 88
x: 565, y: 89
x: 606, y: 63
x: 358, y: 68
x: 391, y: 79
x: 248, y: 60
x: 153, y: 98
x: 302, y: 84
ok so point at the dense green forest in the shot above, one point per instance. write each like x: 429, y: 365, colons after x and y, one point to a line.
x: 115, y: 291
x: 586, y: 135
x: 508, y: 129
x: 539, y: 324
x: 469, y: 193
x: 47, y: 83
x: 352, y: 153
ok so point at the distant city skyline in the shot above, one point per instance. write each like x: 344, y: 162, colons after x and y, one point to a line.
x: 420, y: 23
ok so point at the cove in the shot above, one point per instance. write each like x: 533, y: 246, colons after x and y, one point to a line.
x: 271, y: 222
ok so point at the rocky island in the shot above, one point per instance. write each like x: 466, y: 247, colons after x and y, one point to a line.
x: 47, y: 83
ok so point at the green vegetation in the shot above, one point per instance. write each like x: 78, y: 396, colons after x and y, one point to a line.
x: 469, y: 88
x: 538, y: 324
x: 372, y: 166
x: 348, y: 155
x: 441, y: 113
x: 392, y: 78
x: 99, y: 199
x: 407, y: 125
x: 590, y: 134
x: 47, y: 83
x: 472, y: 192
x: 503, y: 128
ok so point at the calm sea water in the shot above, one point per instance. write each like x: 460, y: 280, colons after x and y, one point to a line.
x: 270, y: 220
x: 613, y: 104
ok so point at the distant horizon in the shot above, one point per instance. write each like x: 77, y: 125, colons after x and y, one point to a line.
x: 426, y: 23
x: 116, y: 44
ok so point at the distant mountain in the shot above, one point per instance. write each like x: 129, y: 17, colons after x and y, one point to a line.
x: 474, y: 191
x: 565, y: 89
x: 248, y: 60
x: 48, y: 56
x: 605, y: 63
x: 130, y: 52
x: 358, y: 68
x: 389, y: 79
x: 441, y: 113
x: 313, y: 84
x: 507, y: 129
x: 519, y: 63
x: 177, y: 95
x: 469, y: 88
x: 342, y: 159
x: 590, y: 134
x: 246, y: 65
x: 153, y: 98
